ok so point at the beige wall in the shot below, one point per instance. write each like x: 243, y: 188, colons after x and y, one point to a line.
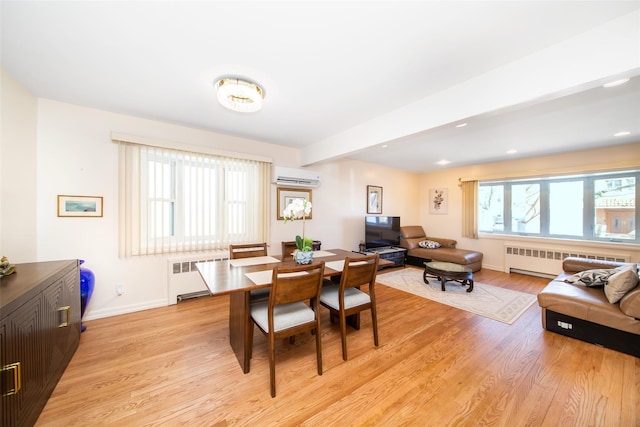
x: 610, y: 158
x: 18, y: 171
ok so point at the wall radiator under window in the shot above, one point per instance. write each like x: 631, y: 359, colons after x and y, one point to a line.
x: 183, y: 277
x: 546, y: 261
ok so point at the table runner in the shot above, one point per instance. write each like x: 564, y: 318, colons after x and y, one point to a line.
x: 256, y: 260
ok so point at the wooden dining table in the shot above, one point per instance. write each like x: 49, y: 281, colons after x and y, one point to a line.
x: 233, y: 278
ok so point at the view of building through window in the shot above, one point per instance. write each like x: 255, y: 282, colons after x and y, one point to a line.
x: 591, y: 207
x: 615, y: 207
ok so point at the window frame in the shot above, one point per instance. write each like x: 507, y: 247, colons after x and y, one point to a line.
x: 589, y: 221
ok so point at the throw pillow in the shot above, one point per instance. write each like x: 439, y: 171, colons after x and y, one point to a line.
x: 597, y: 277
x: 429, y: 244
x: 620, y: 283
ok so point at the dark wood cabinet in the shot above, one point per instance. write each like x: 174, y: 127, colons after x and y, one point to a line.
x: 39, y: 333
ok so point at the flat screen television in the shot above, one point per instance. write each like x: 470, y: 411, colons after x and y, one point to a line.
x: 381, y: 231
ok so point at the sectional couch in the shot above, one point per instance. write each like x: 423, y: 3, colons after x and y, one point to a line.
x: 582, y: 302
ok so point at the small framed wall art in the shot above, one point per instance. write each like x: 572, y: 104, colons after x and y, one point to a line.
x: 287, y: 195
x: 374, y: 199
x: 80, y: 206
x: 438, y: 201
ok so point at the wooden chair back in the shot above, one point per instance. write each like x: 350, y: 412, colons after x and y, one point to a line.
x: 360, y: 271
x: 247, y: 250
x: 289, y: 247
x: 293, y: 284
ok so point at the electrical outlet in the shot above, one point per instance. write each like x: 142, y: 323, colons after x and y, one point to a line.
x: 120, y: 288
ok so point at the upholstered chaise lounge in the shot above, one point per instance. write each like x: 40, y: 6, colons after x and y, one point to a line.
x: 412, y: 235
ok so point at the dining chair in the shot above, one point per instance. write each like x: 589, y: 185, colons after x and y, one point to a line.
x: 246, y: 251
x: 287, y: 249
x: 346, y: 299
x: 290, y: 246
x: 287, y: 313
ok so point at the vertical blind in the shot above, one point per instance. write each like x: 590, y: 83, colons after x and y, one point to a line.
x: 179, y: 201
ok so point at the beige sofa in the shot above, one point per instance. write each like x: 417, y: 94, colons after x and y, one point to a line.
x: 412, y: 235
x: 586, y: 313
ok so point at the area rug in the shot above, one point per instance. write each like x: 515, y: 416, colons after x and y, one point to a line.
x: 504, y: 305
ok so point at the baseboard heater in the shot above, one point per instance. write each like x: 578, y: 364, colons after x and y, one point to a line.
x: 191, y: 295
x: 547, y: 261
x: 532, y: 273
x: 184, y: 281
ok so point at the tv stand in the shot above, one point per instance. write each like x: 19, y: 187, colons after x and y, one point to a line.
x: 389, y: 253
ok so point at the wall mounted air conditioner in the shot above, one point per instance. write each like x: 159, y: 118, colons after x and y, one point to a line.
x: 295, y: 177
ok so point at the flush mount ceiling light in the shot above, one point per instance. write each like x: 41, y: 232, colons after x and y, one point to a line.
x: 239, y: 95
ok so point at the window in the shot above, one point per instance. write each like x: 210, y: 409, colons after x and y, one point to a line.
x: 175, y: 201
x: 599, y: 207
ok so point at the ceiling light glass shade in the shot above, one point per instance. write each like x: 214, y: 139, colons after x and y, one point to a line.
x: 239, y: 95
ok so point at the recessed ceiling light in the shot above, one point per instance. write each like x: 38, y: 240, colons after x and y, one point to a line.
x: 239, y: 95
x: 512, y: 151
x: 623, y: 133
x: 616, y: 82
x: 443, y: 162
x: 385, y: 145
x: 461, y: 125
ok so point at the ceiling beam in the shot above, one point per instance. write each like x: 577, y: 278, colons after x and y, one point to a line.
x: 576, y: 64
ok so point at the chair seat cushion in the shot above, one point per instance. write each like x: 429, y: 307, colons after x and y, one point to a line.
x: 285, y: 316
x: 353, y: 297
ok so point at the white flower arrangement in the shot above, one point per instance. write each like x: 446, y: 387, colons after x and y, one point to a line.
x: 299, y: 209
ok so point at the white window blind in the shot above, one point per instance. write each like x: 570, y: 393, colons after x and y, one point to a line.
x: 179, y: 201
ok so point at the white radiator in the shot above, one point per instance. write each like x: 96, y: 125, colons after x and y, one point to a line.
x: 547, y: 260
x: 183, y: 277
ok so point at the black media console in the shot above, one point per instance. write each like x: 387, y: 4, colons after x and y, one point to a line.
x: 389, y: 253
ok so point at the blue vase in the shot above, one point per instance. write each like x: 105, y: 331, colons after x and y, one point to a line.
x: 87, y: 283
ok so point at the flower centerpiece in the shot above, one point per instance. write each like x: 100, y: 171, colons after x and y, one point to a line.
x: 300, y: 209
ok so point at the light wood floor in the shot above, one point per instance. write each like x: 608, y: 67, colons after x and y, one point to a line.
x: 435, y: 366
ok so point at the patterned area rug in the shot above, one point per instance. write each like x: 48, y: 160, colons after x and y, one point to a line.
x: 504, y: 305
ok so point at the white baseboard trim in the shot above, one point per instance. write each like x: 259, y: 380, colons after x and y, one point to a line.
x: 116, y: 311
x: 493, y: 267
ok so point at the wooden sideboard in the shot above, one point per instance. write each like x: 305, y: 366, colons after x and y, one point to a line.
x: 39, y: 333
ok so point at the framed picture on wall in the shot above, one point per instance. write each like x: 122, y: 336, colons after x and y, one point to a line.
x: 287, y: 195
x: 438, y: 201
x: 79, y: 206
x: 374, y: 199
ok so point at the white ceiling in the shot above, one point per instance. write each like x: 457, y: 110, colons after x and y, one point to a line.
x: 341, y: 78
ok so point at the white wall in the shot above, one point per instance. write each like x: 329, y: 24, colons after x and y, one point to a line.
x: 610, y: 158
x: 18, y: 171
x: 339, y: 204
x: 76, y: 157
x: 69, y: 149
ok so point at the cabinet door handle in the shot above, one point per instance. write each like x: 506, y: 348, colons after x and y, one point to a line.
x: 66, y: 323
x: 17, y: 378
